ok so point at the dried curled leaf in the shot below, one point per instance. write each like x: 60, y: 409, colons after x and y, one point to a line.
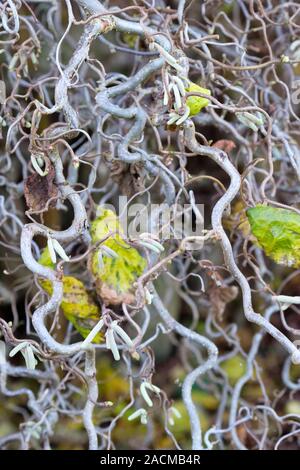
x: 39, y: 189
x: 220, y: 296
x: 77, y: 304
x: 115, y: 265
x: 277, y: 232
x: 129, y: 177
x: 237, y: 219
x: 196, y: 103
x: 224, y: 144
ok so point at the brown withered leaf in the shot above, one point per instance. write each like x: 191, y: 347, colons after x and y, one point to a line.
x: 39, y: 189
x: 129, y: 177
x: 109, y: 295
x: 220, y: 294
x: 224, y: 144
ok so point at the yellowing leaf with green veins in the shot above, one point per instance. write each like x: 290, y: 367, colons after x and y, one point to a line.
x: 115, y: 265
x: 77, y: 304
x: 196, y: 103
x: 278, y: 232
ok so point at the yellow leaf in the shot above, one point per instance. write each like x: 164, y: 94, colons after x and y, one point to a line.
x: 116, y: 269
x: 77, y: 304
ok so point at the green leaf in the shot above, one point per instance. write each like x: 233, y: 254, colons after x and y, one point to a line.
x: 278, y: 232
x: 196, y: 103
x: 45, y: 259
x: 114, y: 276
x: 235, y: 367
